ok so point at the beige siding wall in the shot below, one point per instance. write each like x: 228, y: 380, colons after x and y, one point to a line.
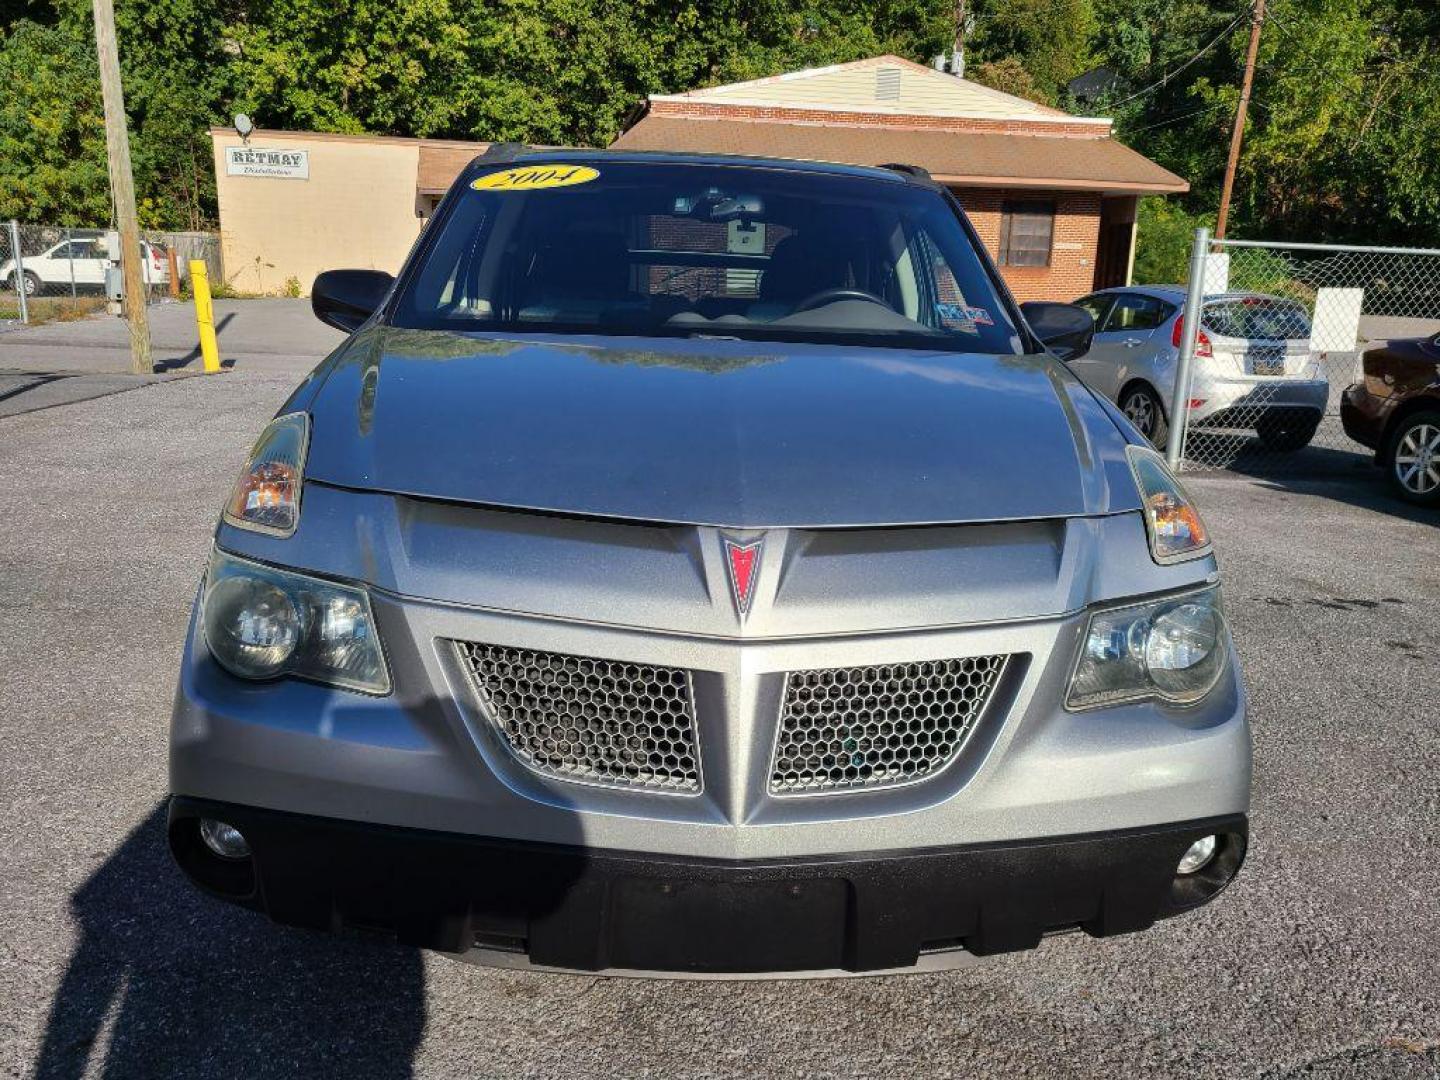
x: 357, y: 209
x: 853, y: 86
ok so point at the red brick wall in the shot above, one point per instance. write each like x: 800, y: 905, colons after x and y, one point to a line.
x: 1071, y: 272
x: 783, y: 114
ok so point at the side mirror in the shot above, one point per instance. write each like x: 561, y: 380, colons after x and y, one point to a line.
x: 344, y: 299
x: 1065, y: 329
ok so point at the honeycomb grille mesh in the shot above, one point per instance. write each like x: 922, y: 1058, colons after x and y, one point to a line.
x: 601, y: 721
x: 867, y: 727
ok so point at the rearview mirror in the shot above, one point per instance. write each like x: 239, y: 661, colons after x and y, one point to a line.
x: 344, y: 299
x: 1065, y: 329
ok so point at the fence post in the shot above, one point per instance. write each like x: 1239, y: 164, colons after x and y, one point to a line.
x: 1190, y: 334
x: 70, y: 254
x: 17, y: 276
x: 204, y: 315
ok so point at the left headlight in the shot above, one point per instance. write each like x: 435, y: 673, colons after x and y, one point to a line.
x: 261, y: 623
x: 1171, y: 650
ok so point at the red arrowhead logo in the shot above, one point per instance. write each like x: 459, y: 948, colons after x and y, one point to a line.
x: 744, y: 564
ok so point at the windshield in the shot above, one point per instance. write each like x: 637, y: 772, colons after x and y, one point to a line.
x: 733, y: 251
x: 1259, y: 318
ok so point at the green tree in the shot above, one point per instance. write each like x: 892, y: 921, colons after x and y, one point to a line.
x: 52, y: 135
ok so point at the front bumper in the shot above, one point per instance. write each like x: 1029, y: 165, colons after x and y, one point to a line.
x: 583, y: 909
x: 1363, y: 416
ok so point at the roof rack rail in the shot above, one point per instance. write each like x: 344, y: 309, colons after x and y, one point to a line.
x: 503, y: 151
x: 909, y: 170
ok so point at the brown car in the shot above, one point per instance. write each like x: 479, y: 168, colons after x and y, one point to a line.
x: 1395, y: 411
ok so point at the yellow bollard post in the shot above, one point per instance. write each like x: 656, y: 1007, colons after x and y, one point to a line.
x: 204, y: 315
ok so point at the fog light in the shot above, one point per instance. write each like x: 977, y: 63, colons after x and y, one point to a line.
x: 1197, y: 856
x: 224, y: 840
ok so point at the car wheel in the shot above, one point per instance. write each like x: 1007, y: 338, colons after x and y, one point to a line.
x: 1287, y: 433
x: 1414, y: 456
x: 1142, y: 407
x: 32, y: 284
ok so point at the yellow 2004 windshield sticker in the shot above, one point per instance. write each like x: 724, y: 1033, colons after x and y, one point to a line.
x: 535, y: 177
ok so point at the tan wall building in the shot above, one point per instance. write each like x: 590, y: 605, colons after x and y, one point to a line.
x: 295, y: 203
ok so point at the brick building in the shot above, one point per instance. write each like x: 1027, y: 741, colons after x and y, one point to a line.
x: 1052, y: 195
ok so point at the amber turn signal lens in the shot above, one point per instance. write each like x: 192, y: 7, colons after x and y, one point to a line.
x: 266, y: 497
x: 1172, y: 522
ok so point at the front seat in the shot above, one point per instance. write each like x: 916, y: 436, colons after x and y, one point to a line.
x: 801, y: 265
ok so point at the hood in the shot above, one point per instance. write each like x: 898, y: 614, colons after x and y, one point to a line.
x: 733, y: 433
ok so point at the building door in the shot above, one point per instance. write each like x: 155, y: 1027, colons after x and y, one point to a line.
x: 1117, y: 234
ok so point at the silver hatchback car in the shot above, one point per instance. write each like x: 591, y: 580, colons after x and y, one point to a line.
x: 699, y: 565
x: 1254, y: 366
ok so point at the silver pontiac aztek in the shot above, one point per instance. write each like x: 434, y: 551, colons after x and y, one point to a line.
x: 701, y: 565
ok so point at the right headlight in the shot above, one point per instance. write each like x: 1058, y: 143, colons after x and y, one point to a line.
x: 1170, y: 650
x: 262, y: 622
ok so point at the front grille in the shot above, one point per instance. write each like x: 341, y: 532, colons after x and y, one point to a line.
x: 843, y: 729
x: 599, y: 721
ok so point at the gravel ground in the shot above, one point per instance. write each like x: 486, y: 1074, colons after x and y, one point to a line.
x: 1323, y: 960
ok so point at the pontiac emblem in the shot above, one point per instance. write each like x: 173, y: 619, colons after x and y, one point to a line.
x: 743, y: 562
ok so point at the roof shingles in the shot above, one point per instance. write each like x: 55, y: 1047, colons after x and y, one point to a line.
x: 959, y: 158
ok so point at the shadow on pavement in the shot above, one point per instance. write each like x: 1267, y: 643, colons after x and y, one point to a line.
x: 165, y: 981
x: 175, y: 363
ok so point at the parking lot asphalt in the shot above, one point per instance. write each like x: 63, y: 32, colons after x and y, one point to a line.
x: 1323, y: 960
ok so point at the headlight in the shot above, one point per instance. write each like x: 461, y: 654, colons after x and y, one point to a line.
x: 267, y: 494
x: 261, y: 623
x: 1171, y: 521
x: 1171, y: 650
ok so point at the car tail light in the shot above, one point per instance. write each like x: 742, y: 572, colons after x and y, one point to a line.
x: 1202, y: 343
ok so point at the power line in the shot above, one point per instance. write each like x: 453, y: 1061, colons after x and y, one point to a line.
x: 1165, y: 79
x: 1176, y: 118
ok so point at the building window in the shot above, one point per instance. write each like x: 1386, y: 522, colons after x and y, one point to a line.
x: 1026, y: 232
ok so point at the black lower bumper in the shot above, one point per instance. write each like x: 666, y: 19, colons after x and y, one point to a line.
x: 591, y: 909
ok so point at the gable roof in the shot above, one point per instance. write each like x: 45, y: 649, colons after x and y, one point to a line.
x: 968, y: 159
x: 879, y: 84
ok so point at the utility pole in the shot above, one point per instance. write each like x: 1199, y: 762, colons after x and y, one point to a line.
x: 957, y: 55
x: 122, y: 187
x: 1257, y: 16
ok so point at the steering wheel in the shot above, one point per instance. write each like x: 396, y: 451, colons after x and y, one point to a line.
x: 831, y: 296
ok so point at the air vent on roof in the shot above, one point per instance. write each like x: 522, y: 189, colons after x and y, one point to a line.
x: 887, y: 84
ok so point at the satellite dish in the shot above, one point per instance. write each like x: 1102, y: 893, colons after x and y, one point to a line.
x: 243, y: 125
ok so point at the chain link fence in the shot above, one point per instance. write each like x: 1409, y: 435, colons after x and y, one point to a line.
x: 1282, y: 334
x: 50, y: 271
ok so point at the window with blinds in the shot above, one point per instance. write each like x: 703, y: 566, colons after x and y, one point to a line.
x: 1027, y: 230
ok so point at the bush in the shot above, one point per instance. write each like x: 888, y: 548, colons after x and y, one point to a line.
x: 1165, y: 238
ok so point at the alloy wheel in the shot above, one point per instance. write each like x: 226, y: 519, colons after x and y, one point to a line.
x: 1140, y: 411
x: 1417, y: 459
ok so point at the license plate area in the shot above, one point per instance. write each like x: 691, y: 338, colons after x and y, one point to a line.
x: 1267, y: 361
x: 730, y: 926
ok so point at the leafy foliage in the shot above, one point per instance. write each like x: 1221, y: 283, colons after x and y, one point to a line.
x: 1343, y: 125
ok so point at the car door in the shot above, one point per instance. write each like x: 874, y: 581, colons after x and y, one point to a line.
x: 1093, y: 367
x: 89, y: 261
x: 1123, y: 342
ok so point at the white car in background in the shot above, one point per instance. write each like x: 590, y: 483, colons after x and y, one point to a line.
x: 1254, y: 368
x: 79, y: 261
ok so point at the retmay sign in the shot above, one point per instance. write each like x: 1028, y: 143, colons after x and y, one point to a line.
x: 256, y: 161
